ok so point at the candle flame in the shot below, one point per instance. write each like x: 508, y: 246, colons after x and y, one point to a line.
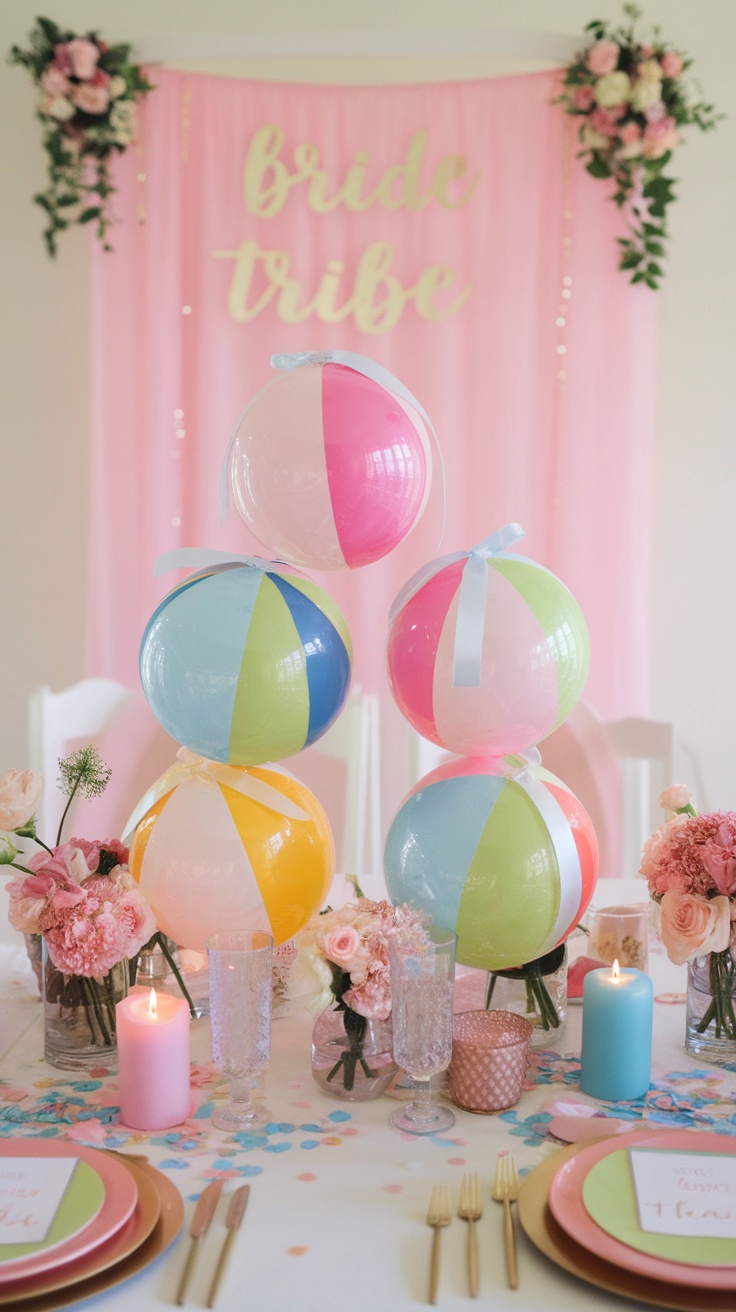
x: 152, y: 1008
x: 615, y: 971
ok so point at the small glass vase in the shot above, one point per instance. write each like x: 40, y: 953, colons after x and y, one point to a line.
x: 537, y: 991
x: 710, y: 1016
x: 352, y: 1058
x: 79, y: 1016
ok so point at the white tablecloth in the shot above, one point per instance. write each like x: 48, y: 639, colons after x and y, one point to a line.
x: 338, y: 1199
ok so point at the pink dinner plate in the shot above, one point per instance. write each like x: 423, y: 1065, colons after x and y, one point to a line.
x: 567, y: 1207
x: 118, y: 1205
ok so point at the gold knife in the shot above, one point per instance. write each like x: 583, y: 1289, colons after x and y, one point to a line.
x: 203, y: 1214
x: 232, y: 1221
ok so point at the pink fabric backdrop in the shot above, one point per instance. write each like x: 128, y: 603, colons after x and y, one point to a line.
x: 540, y: 384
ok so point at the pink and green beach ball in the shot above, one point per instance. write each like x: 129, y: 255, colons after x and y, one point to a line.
x: 533, y: 653
x: 509, y: 863
x: 329, y: 469
x: 246, y: 665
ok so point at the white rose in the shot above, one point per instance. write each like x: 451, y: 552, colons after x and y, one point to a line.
x: 650, y: 70
x: 645, y: 93
x: 59, y: 108
x: 310, y: 982
x: 117, y: 87
x: 591, y: 139
x: 613, y: 89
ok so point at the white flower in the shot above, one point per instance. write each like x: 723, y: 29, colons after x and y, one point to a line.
x: 591, y: 139
x: 123, y: 121
x: 310, y: 981
x: 613, y: 89
x: 650, y: 70
x: 117, y: 87
x: 59, y: 108
x: 645, y: 93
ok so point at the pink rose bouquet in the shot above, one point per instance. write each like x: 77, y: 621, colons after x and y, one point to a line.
x: 79, y: 895
x: 690, y: 866
x: 343, y: 959
x: 87, y: 107
x: 633, y: 103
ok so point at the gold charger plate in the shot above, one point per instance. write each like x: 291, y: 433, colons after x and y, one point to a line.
x: 154, y: 1225
x: 541, y: 1228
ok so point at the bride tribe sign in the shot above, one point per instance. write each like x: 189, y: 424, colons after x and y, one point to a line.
x: 362, y: 285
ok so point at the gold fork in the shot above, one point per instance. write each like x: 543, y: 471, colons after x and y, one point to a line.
x: 505, y: 1189
x: 438, y: 1215
x: 470, y: 1209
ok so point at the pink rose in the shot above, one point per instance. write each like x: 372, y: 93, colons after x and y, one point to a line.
x: 629, y: 133
x: 719, y: 859
x: 342, y: 945
x: 602, y: 57
x: 20, y: 794
x: 583, y: 97
x: 54, y: 82
x: 83, y: 55
x: 677, y: 796
x: 672, y: 64
x: 604, y: 121
x: 91, y: 100
x: 694, y: 926
x: 654, y: 113
x: 63, y: 59
x: 659, y: 137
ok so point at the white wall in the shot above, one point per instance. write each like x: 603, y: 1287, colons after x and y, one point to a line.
x: 44, y: 437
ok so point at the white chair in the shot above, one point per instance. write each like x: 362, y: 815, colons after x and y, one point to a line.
x: 618, y: 770
x: 355, y: 738
x: 57, y: 722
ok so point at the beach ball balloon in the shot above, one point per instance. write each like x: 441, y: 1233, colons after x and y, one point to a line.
x: 244, y: 664
x: 329, y: 468
x: 231, y: 847
x: 488, y: 652
x: 509, y: 863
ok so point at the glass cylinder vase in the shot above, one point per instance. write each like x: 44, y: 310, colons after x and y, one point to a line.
x: 535, y: 992
x: 710, y: 1017
x: 352, y: 1057
x: 79, y: 1016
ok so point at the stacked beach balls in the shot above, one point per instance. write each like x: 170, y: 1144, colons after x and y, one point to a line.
x: 488, y: 653
x: 247, y: 661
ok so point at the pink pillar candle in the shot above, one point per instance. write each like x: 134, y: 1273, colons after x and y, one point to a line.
x: 153, y: 1060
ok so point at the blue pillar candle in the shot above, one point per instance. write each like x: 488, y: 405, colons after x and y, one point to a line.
x: 616, y: 1056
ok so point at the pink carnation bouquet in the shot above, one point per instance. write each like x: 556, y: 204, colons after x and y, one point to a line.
x: 78, y: 895
x: 632, y: 103
x: 342, y: 958
x: 690, y: 866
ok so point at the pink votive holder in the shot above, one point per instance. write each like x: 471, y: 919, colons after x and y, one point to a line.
x: 489, y: 1056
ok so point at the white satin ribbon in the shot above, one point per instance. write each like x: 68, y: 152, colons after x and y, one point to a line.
x: 568, y: 860
x: 362, y: 365
x: 471, y: 602
x: 209, y: 772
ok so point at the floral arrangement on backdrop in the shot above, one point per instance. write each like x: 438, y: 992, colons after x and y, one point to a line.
x: 79, y: 896
x: 690, y: 866
x: 342, y: 959
x: 634, y: 102
x: 87, y: 107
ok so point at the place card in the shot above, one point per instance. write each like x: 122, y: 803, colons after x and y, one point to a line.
x: 685, y: 1194
x: 32, y: 1190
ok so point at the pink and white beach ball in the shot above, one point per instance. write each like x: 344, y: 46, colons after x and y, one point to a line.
x: 329, y: 468
x: 488, y: 652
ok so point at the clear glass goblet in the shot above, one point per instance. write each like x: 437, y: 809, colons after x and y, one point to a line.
x: 422, y: 983
x: 240, y: 1016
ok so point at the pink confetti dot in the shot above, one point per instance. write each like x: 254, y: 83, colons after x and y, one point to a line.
x: 307, y: 1175
x: 301, y: 1103
x: 456, y: 1161
x: 351, y: 1129
x: 297, y: 1251
x: 392, y: 1188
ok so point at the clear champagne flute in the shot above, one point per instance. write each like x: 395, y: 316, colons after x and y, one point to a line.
x: 422, y: 983
x: 240, y: 1015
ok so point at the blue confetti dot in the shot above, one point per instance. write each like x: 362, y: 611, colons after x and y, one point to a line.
x: 313, y: 1129
x: 250, y: 1170
x: 340, y: 1116
x: 173, y: 1164
x: 309, y: 1143
x: 222, y: 1164
x: 204, y: 1112
x: 277, y: 1147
